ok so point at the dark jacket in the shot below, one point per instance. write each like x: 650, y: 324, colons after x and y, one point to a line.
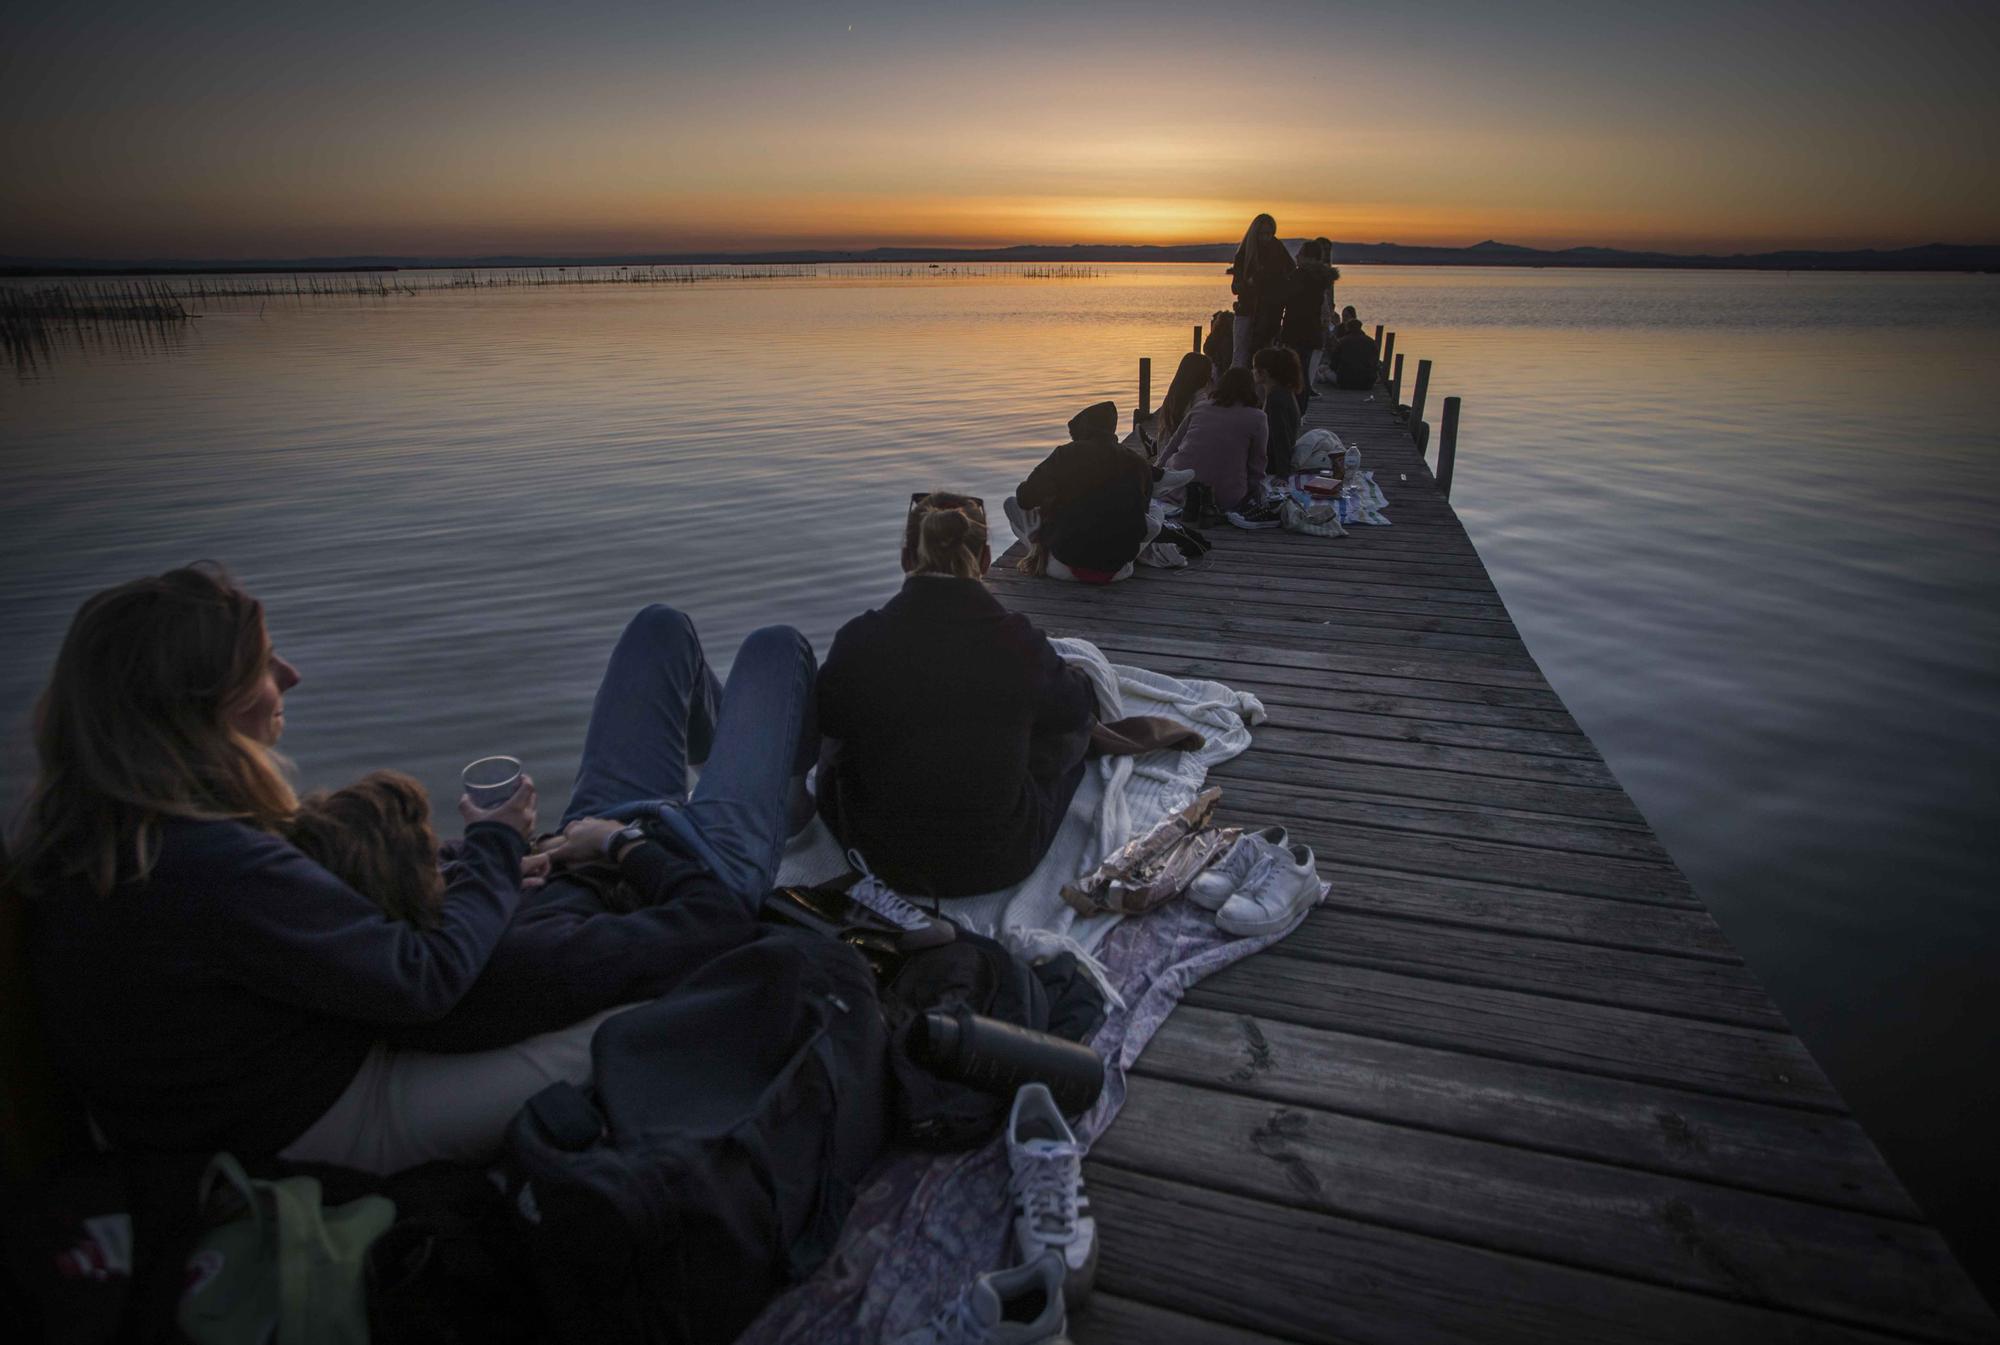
x: 1093, y: 494
x: 1220, y: 347
x: 1354, y: 362
x: 567, y: 955
x: 1262, y: 281
x: 1263, y: 274
x: 229, y: 999
x: 1281, y: 410
x: 1305, y: 304
x: 960, y: 734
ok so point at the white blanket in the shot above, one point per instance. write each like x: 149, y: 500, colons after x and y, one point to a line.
x: 1120, y: 798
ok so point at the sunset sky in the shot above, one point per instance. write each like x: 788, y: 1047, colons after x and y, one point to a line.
x: 218, y: 129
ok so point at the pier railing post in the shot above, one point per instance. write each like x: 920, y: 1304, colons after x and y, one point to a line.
x: 1447, y: 446
x: 1145, y: 387
x: 1417, y: 397
x: 1396, y: 383
x: 1197, y: 338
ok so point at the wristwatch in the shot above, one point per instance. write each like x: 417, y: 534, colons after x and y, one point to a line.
x: 631, y: 834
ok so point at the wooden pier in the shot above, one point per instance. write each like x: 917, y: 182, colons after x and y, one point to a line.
x: 1510, y: 1082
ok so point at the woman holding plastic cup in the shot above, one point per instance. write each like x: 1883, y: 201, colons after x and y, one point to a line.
x: 204, y: 986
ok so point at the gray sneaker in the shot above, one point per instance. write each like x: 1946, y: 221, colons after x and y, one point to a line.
x: 1282, y: 886
x: 1021, y: 1306
x: 1220, y: 881
x: 1051, y: 1213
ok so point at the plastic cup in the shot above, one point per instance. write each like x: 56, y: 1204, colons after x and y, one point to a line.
x: 491, y: 781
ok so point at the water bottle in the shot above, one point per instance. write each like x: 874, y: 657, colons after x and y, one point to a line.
x: 998, y: 1057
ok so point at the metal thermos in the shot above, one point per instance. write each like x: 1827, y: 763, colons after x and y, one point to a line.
x: 997, y: 1057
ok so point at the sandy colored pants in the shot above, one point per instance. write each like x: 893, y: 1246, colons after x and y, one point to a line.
x: 410, y: 1107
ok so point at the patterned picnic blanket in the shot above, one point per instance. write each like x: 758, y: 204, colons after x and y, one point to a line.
x: 925, y: 1224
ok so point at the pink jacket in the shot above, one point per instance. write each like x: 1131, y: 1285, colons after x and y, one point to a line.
x: 1225, y: 447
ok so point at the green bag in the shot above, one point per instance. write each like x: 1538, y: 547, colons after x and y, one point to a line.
x: 287, y: 1273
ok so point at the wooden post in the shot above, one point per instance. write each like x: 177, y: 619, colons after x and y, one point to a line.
x: 1378, y: 338
x: 1447, y: 446
x: 1197, y: 338
x: 1396, y: 382
x: 1388, y: 354
x: 1145, y: 387
x: 1417, y: 398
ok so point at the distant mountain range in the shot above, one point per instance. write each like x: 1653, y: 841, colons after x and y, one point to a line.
x: 1930, y: 257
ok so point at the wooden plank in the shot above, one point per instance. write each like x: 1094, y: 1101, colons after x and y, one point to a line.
x: 1685, y: 931
x: 1306, y: 574
x: 1718, y: 992
x: 1415, y: 729
x: 1360, y: 774
x: 1255, y: 801
x: 1209, y: 619
x: 1340, y: 844
x: 1595, y: 1039
x: 1857, y: 1268
x: 1317, y: 1277
x: 1135, y: 634
x: 1437, y: 701
x: 1278, y: 738
x: 1827, y: 1159
x: 1415, y: 593
x: 1111, y: 1319
x: 1335, y: 605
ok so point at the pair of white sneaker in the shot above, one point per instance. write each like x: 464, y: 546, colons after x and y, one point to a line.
x: 1054, y: 1235
x: 1259, y: 885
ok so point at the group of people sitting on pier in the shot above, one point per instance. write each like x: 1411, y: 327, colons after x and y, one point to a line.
x: 219, y: 965
x: 1230, y: 419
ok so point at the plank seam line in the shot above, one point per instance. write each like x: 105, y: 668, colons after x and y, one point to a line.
x: 1765, y: 1305
x: 1692, y: 904
x: 1657, y: 866
x: 1246, y: 653
x: 1334, y: 793
x: 1613, y: 788
x: 1221, y: 773
x: 1465, y: 980
x: 1247, y: 787
x: 1403, y: 917
x: 1081, y: 1322
x: 1568, y: 1155
x: 1203, y: 998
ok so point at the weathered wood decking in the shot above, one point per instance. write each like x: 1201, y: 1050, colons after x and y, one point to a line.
x: 1510, y: 1083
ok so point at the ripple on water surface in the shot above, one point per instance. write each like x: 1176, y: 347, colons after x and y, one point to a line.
x: 1744, y: 522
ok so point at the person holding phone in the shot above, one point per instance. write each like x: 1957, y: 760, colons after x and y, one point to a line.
x: 954, y: 734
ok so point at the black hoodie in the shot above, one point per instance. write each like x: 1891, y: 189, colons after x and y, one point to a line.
x: 1092, y: 493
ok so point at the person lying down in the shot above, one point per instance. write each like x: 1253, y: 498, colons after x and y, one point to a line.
x: 625, y: 930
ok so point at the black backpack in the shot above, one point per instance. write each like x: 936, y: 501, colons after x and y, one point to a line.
x: 716, y: 1154
x: 976, y: 973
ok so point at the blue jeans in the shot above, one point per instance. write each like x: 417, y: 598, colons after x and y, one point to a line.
x: 660, y: 708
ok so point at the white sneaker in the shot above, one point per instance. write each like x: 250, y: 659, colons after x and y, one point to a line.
x: 879, y: 897
x: 1219, y: 881
x: 1285, y: 884
x: 1050, y: 1210
x: 1022, y: 1306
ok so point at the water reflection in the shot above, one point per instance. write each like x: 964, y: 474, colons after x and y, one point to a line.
x: 1742, y: 520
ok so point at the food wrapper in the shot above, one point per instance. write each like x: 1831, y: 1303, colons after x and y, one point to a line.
x: 1154, y: 868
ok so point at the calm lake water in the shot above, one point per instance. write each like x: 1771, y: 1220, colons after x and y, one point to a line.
x: 1746, y: 523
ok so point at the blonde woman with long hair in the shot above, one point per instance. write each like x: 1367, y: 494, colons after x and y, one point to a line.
x: 205, y: 985
x: 955, y: 734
